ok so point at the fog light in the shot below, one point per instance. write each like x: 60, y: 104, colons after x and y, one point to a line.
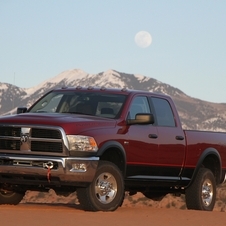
x: 78, y: 167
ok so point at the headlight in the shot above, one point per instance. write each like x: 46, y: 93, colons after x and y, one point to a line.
x: 82, y: 143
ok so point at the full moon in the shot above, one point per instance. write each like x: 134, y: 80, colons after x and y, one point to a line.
x: 143, y: 39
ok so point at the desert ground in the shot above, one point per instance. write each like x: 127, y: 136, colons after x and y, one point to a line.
x: 47, y: 209
x: 54, y: 215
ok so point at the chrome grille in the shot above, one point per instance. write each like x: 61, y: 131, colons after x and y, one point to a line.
x: 32, y: 139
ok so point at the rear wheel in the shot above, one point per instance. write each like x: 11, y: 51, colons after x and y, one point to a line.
x: 201, y: 195
x: 10, y: 197
x: 106, y: 192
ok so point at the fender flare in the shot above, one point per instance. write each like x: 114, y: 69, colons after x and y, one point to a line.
x: 206, y: 152
x: 113, y: 144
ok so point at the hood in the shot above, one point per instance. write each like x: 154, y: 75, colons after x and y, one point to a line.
x: 71, y: 123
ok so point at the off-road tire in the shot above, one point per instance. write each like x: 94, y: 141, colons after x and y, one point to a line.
x: 11, y: 197
x: 106, y: 192
x: 201, y: 194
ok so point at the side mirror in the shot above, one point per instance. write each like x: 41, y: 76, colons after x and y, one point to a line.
x: 21, y: 110
x: 142, y: 118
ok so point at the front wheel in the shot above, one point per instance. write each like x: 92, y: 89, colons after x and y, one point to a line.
x: 106, y: 192
x: 10, y: 197
x: 201, y: 195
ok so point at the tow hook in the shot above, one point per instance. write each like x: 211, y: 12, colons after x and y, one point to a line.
x: 48, y: 165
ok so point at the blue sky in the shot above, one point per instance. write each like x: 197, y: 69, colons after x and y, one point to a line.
x: 41, y: 38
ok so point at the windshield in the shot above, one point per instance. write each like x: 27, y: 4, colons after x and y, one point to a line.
x: 88, y: 103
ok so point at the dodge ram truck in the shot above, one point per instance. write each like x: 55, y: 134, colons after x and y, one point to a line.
x: 102, y: 143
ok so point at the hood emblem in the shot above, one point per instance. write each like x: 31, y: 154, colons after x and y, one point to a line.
x: 25, y: 144
x: 24, y: 138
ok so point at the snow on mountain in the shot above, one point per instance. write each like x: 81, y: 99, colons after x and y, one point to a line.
x: 69, y: 76
x: 194, y: 113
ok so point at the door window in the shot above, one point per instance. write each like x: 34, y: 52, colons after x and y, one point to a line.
x: 163, y: 112
x: 139, y: 105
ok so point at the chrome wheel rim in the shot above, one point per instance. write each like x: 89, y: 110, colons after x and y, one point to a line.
x: 105, y: 188
x: 207, y: 192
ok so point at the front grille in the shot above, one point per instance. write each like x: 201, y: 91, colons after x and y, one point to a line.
x: 46, y: 146
x: 10, y: 131
x: 6, y: 144
x: 32, y: 139
x: 45, y: 133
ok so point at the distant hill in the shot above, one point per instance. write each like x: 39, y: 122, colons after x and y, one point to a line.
x: 194, y: 113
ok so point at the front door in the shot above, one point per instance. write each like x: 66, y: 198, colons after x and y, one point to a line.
x: 171, y: 153
x: 142, y: 148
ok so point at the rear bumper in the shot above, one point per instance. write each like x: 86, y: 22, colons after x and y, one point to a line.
x: 61, y: 170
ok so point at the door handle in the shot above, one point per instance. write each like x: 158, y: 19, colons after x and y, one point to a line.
x: 179, y: 138
x: 154, y: 136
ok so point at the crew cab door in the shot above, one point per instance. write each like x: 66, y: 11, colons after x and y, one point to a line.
x: 142, y: 148
x: 171, y: 152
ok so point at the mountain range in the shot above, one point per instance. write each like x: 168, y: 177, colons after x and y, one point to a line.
x: 194, y: 113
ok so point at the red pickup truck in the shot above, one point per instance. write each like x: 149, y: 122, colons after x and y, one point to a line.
x: 102, y: 142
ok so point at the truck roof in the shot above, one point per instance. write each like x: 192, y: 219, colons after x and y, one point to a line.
x: 124, y: 91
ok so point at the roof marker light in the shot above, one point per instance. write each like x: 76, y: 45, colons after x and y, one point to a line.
x: 102, y: 88
x: 124, y: 89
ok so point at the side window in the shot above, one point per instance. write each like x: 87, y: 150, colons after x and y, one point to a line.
x: 138, y: 105
x: 163, y: 112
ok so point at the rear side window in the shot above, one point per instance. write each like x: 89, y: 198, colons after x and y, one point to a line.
x: 163, y: 112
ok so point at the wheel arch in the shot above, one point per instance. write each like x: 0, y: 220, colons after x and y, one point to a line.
x: 210, y: 159
x: 114, y: 152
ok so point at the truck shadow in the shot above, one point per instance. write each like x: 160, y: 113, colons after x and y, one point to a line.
x: 64, y: 205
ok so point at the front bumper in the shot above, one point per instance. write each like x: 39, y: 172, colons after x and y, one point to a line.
x: 51, y: 170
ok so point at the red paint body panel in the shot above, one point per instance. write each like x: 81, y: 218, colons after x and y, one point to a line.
x: 198, y: 141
